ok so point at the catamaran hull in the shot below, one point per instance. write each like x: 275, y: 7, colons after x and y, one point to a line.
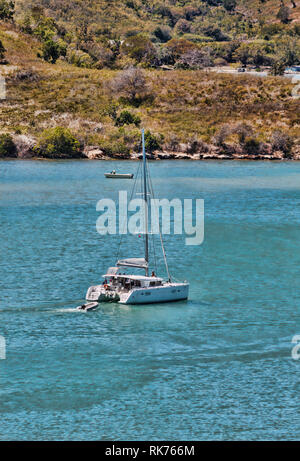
x: 162, y: 294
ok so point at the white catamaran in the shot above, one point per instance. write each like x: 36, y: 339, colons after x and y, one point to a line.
x: 138, y: 289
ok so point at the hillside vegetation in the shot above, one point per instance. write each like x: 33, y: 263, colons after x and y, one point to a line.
x: 85, y: 76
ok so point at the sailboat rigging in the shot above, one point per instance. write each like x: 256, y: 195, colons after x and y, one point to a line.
x: 139, y: 289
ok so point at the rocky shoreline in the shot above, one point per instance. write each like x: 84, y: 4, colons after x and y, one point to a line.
x: 25, y: 150
x: 212, y: 153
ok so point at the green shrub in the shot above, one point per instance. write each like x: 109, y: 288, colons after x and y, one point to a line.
x: 7, y: 9
x: 284, y: 14
x: 2, y: 51
x: 79, y: 58
x: 229, y: 5
x: 127, y: 118
x: 251, y: 146
x: 139, y: 48
x: 44, y: 28
x: 278, y: 66
x: 58, y: 142
x: 152, y: 142
x: 50, y: 51
x: 162, y: 33
x: 115, y: 148
x: 7, y: 146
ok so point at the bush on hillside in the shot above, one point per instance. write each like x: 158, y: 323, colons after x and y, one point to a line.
x: 127, y: 118
x: 183, y: 26
x: 7, y: 146
x: 243, y: 131
x: 139, y: 48
x: 162, y: 33
x: 79, y: 58
x: 58, y: 142
x: 115, y: 148
x: 282, y: 141
x: 2, y: 53
x: 221, y: 136
x: 229, y: 5
x: 51, y: 51
x: 284, y: 14
x: 277, y: 66
x: 178, y: 47
x: 195, y: 59
x: 7, y: 10
x: 251, y: 146
x: 152, y: 142
x: 130, y: 84
x: 26, y: 75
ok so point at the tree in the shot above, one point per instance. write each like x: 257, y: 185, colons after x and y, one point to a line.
x: 162, y: 33
x: 50, y: 51
x: 221, y: 135
x: 288, y: 50
x: 7, y: 10
x: 163, y: 56
x: 131, y: 84
x: 183, y: 26
x: 100, y: 54
x: 252, y: 53
x: 278, y: 66
x: 195, y: 59
x: 215, y: 32
x: 7, y: 146
x: 151, y: 142
x: 229, y: 5
x: 251, y: 146
x: 178, y: 47
x: 58, y: 142
x: 243, y: 131
x: 139, y: 48
x: 284, y: 14
x: 282, y: 141
x: 127, y: 118
x: 226, y: 50
x: 242, y: 54
x: 2, y: 52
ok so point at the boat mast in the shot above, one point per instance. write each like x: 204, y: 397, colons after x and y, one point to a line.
x: 146, y: 205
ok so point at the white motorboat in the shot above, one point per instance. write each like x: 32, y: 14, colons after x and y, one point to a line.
x: 129, y: 288
x: 116, y: 175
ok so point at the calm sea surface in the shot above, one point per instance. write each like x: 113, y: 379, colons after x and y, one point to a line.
x: 215, y: 367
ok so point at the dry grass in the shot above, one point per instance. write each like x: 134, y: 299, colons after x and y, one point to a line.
x: 186, y: 103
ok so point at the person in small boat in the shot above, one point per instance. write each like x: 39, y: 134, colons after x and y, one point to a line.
x: 153, y: 274
x: 113, y: 172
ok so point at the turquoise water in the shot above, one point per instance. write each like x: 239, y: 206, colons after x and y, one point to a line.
x: 216, y: 367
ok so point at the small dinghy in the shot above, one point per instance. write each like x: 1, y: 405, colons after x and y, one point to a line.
x: 116, y: 175
x: 88, y: 307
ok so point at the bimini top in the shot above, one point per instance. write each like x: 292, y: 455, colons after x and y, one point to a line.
x: 140, y: 263
x: 142, y: 278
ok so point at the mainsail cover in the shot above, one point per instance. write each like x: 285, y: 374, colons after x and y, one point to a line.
x: 140, y: 263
